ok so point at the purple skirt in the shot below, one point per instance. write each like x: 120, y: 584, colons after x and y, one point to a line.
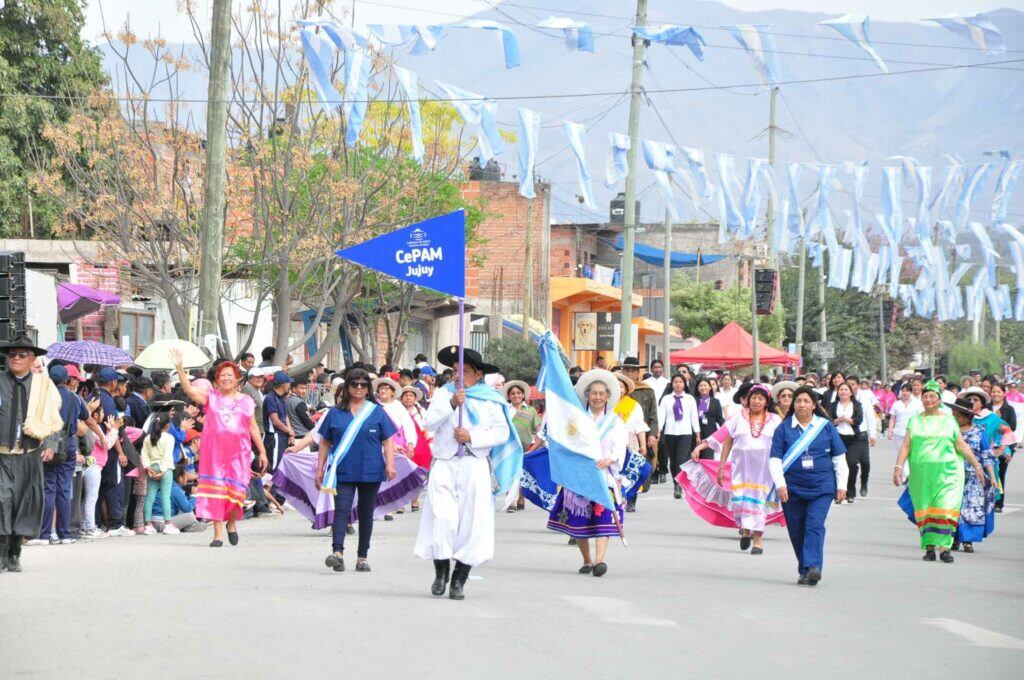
x: 295, y: 479
x: 576, y: 516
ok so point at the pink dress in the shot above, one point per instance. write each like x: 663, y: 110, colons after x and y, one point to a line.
x: 225, y: 457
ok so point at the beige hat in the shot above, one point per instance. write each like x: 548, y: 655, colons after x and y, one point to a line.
x: 627, y: 382
x: 395, y: 387
x: 783, y: 385
x: 607, y: 378
x: 977, y: 392
x: 410, y: 388
x: 516, y: 383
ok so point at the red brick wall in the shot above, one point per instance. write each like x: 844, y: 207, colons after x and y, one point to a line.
x: 564, y: 242
x: 110, y: 279
x: 503, y: 233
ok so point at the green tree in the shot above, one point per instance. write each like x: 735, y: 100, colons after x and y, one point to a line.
x: 45, y: 68
x: 518, y: 359
x: 966, y: 356
x: 701, y: 310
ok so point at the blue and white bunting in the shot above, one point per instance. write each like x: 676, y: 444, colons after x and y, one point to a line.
x: 793, y: 215
x: 963, y: 204
x: 759, y: 43
x: 670, y: 34
x: 578, y: 35
x: 480, y: 115
x: 357, y: 92
x: 409, y: 82
x: 923, y: 177
x: 660, y: 158
x: 319, y: 53
x: 618, y: 159
x: 577, y: 134
x: 698, y: 170
x: 855, y: 28
x: 509, y: 41
x: 892, y: 209
x: 1005, y: 185
x: 730, y: 220
x: 979, y: 29
x: 526, y: 150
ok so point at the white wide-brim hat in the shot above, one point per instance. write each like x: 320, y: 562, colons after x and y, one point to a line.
x: 607, y: 378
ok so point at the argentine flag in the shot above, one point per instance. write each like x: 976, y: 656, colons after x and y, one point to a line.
x: 573, y: 443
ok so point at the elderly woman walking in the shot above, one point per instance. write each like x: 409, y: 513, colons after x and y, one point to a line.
x: 934, y: 447
x: 977, y: 512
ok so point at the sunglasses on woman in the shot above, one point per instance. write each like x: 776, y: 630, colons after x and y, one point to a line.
x: 360, y: 385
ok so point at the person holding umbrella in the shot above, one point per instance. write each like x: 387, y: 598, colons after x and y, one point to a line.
x: 225, y: 450
x: 30, y: 433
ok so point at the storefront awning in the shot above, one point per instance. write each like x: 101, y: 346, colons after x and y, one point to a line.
x: 75, y: 300
x: 566, y: 290
x: 656, y: 256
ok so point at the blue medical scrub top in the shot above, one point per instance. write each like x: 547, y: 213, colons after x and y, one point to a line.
x: 820, y: 479
x: 273, y: 403
x: 365, y: 459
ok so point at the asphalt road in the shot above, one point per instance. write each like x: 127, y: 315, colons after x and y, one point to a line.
x: 680, y: 601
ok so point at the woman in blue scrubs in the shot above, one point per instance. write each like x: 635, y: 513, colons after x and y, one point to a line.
x: 368, y: 459
x: 809, y: 471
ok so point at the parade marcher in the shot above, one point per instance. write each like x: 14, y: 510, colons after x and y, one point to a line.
x: 356, y: 455
x: 225, y: 449
x: 659, y: 382
x: 990, y: 419
x: 525, y: 419
x: 599, y: 392
x: 58, y: 474
x: 902, y: 410
x: 977, y: 511
x: 423, y: 455
x: 848, y: 416
x: 709, y: 413
x: 680, y: 425
x: 1010, y: 412
x: 30, y: 432
x: 457, y: 520
x: 632, y: 416
x: 405, y: 438
x: 808, y: 466
x: 782, y: 396
x: 644, y: 395
x: 725, y: 395
x: 933, y: 446
x: 831, y: 393
x: 277, y: 430
x: 749, y: 443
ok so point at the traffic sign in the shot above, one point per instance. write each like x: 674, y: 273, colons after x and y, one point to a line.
x: 822, y: 350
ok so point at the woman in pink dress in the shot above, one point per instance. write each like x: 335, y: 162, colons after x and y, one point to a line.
x: 225, y: 450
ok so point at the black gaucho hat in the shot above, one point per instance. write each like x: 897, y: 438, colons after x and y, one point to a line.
x: 449, y: 356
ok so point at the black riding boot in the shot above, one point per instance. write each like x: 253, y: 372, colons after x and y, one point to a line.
x: 13, y: 553
x: 459, y: 578
x: 441, y: 570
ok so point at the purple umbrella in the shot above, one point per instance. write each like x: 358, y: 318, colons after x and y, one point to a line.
x: 89, y: 352
x: 76, y: 300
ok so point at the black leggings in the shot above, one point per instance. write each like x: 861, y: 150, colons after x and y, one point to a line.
x: 858, y: 453
x: 1004, y: 463
x: 343, y: 511
x: 674, y: 451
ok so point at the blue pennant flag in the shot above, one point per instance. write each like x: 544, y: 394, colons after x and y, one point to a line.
x: 536, y: 483
x: 431, y: 254
x: 574, y: 445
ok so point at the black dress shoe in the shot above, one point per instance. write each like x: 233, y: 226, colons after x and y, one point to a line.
x: 362, y: 565
x: 216, y: 543
x: 586, y: 568
x: 756, y: 551
x: 946, y: 556
x: 814, y: 575
x: 677, y: 492
x: 802, y: 581
x: 745, y: 542
x: 864, y: 490
x: 968, y: 547
x: 334, y: 562
x: 631, y: 505
x: 663, y: 478
x: 929, y: 555
x: 233, y: 537
x: 459, y: 577
x: 600, y: 569
x: 441, y: 569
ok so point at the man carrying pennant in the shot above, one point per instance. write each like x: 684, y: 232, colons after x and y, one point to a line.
x: 473, y: 439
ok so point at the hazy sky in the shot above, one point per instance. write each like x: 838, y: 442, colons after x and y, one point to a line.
x: 151, y: 16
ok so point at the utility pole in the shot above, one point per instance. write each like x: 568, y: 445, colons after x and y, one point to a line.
x: 667, y: 316
x: 212, y: 236
x: 821, y: 303
x: 770, y: 232
x: 881, y: 337
x: 528, y: 272
x: 801, y: 286
x: 630, y: 216
x: 753, y: 323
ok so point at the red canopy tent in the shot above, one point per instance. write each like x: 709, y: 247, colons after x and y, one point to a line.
x: 730, y: 347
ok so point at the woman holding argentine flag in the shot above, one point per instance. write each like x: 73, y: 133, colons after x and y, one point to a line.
x: 575, y: 515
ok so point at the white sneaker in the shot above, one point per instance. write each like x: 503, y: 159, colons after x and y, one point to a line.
x: 150, y: 530
x: 38, y: 541
x: 68, y: 541
x: 171, y: 529
x: 123, y: 532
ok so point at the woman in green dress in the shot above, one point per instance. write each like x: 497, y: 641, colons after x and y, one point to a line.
x: 933, y: 446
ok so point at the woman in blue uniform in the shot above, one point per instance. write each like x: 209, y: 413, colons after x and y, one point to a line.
x: 356, y: 455
x: 808, y: 466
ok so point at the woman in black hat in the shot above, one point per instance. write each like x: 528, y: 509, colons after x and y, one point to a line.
x: 977, y: 511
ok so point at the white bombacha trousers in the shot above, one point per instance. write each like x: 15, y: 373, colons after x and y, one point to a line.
x: 457, y: 519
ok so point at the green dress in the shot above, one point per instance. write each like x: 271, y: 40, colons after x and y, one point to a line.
x: 527, y: 422
x: 936, y: 479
